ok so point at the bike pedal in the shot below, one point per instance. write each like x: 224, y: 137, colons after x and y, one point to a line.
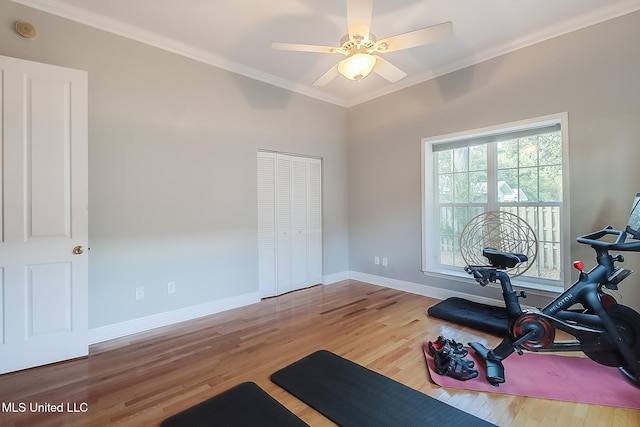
x: 495, y: 381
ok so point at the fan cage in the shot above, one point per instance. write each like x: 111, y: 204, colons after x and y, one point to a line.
x: 500, y: 230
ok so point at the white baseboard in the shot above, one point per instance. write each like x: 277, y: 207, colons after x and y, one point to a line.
x: 418, y: 289
x: 336, y: 277
x: 401, y: 285
x: 118, y: 330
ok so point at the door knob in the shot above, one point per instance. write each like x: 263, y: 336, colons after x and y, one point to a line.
x: 78, y: 250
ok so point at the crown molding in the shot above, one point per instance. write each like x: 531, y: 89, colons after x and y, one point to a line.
x: 119, y: 28
x: 150, y: 38
x: 598, y: 16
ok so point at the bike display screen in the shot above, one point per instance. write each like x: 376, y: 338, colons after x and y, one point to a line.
x: 633, y: 226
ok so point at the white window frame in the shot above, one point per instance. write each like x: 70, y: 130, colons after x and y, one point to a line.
x: 430, y: 263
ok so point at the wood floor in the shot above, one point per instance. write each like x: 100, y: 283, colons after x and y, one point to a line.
x: 142, y: 379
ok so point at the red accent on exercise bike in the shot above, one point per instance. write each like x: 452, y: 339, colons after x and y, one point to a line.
x: 578, y: 265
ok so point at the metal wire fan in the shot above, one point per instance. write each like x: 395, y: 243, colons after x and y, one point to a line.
x: 500, y: 230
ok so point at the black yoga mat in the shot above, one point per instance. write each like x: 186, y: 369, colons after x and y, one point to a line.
x: 487, y: 318
x: 352, y: 395
x: 243, y: 405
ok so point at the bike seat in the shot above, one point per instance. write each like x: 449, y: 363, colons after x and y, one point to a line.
x: 503, y: 260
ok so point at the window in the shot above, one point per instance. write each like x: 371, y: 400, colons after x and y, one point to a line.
x: 516, y: 168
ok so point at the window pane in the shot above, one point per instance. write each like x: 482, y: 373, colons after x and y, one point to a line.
x: 461, y: 159
x: 461, y: 187
x: 548, y: 231
x: 446, y: 236
x: 446, y: 220
x: 478, y: 187
x: 545, y: 221
x: 478, y: 158
x: 460, y: 219
x: 445, y: 161
x: 452, y: 222
x: 550, y: 149
x: 528, y: 183
x: 445, y: 188
x: 508, y: 154
x: 528, y: 151
x: 507, y: 185
x: 551, y: 184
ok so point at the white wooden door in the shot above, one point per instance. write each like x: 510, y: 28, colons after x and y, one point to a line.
x: 43, y: 281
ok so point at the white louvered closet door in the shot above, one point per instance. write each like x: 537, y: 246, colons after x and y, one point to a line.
x: 290, y: 222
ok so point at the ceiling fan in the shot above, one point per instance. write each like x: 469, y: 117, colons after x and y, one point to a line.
x: 362, y: 49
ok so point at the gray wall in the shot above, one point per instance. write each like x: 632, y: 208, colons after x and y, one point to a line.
x: 592, y: 74
x: 172, y: 146
x: 172, y: 167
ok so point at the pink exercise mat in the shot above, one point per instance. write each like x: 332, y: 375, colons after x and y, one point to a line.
x: 550, y: 376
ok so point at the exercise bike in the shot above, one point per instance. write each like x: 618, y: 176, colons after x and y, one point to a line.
x: 605, y: 331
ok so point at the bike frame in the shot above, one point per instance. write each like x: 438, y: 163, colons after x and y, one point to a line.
x: 593, y: 330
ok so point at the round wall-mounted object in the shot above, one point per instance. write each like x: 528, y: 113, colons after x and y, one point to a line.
x: 26, y: 30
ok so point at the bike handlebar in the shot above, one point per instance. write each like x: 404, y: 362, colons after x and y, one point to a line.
x: 620, y: 244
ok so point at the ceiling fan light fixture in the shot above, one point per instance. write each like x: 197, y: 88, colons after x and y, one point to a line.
x: 357, y: 66
x: 363, y: 51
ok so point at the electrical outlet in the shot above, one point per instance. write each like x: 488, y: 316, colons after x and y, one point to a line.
x: 171, y: 287
x: 385, y: 262
x: 140, y: 293
x: 376, y: 260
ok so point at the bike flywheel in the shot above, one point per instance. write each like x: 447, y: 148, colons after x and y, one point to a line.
x: 627, y: 321
x: 544, y: 335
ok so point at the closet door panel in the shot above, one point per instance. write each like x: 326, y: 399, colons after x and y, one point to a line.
x: 299, y: 221
x: 267, y: 224
x: 315, y: 195
x: 299, y: 197
x: 283, y: 265
x: 314, y: 258
x: 299, y: 257
x: 314, y: 252
x: 283, y: 195
x: 284, y: 221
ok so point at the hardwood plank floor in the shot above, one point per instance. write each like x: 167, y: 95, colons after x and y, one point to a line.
x: 142, y: 379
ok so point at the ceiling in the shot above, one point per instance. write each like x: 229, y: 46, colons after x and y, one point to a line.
x: 236, y: 35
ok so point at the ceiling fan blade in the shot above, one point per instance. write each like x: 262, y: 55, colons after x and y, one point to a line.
x: 327, y: 77
x: 359, y: 18
x: 303, y: 47
x: 387, y: 70
x: 416, y: 38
